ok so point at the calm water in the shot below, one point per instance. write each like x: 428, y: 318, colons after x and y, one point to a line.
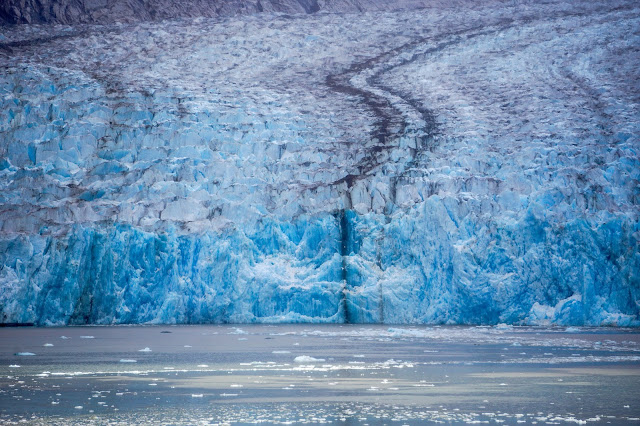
x: 303, y: 374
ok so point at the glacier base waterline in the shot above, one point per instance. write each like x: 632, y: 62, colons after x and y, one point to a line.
x: 459, y: 163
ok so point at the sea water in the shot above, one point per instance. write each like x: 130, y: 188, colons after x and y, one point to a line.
x: 315, y: 374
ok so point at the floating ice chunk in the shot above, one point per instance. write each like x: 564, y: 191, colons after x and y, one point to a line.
x: 196, y: 395
x: 237, y: 331
x: 128, y: 360
x: 188, y: 346
x: 242, y: 339
x: 25, y: 354
x: 48, y: 344
x: 87, y: 337
x: 306, y: 358
x: 281, y: 352
x: 358, y: 356
x: 145, y: 350
x: 78, y: 407
x: 14, y: 366
x: 203, y: 365
x: 64, y: 337
x: 503, y: 326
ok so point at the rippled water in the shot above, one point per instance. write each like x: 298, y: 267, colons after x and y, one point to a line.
x: 297, y: 374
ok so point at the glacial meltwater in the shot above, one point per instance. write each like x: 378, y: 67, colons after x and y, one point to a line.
x: 303, y: 374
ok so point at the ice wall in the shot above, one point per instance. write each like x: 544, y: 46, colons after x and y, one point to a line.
x: 474, y: 166
x: 428, y: 266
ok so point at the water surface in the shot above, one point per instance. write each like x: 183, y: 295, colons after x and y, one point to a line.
x: 301, y: 374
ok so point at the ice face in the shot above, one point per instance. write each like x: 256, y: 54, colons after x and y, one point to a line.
x: 476, y: 163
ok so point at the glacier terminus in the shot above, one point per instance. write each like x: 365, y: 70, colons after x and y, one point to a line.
x: 336, y: 161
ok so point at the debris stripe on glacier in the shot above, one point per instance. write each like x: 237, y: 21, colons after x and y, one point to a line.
x: 399, y: 117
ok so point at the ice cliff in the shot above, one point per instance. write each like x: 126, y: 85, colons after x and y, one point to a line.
x: 398, y: 162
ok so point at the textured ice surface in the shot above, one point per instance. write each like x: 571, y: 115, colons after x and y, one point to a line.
x: 476, y: 163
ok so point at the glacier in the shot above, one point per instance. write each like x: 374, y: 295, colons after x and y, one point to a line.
x: 342, y: 161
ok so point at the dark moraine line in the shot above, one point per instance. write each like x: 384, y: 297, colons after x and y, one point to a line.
x: 388, y: 116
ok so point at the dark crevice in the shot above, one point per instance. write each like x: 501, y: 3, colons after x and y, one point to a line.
x: 343, y: 222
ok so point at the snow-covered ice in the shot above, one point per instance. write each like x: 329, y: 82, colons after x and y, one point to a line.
x: 469, y: 162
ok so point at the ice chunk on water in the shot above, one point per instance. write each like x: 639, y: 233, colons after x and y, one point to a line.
x: 306, y: 358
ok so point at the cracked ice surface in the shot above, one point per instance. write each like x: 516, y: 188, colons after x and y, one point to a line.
x: 471, y: 164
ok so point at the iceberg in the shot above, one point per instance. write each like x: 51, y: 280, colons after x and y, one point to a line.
x: 461, y: 163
